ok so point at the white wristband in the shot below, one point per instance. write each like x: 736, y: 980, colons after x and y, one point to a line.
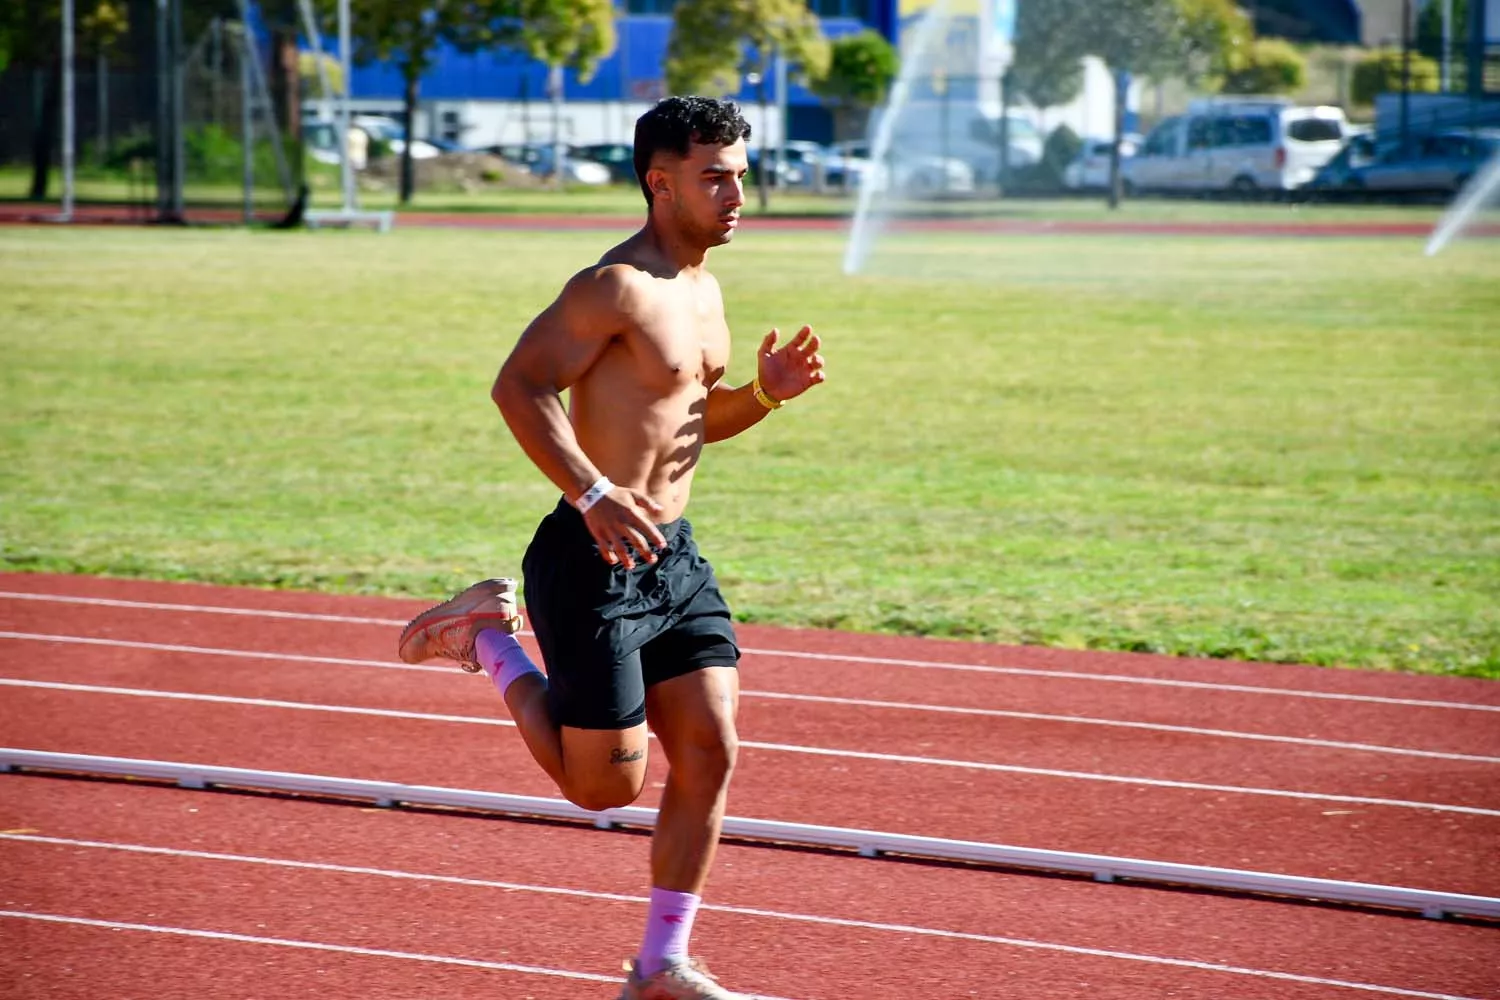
x: 593, y: 494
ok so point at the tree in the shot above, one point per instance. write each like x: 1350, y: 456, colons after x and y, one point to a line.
x: 1151, y: 38
x: 1047, y: 69
x: 1213, y: 37
x: 1133, y: 37
x: 861, y: 67
x: 410, y: 33
x: 1266, y: 66
x: 715, y: 43
x: 560, y: 33
x: 31, y: 36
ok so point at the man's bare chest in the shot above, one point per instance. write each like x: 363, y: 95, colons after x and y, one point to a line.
x: 683, y: 338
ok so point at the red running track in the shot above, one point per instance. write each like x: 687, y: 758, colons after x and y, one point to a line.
x: 36, y: 213
x: 1357, y: 776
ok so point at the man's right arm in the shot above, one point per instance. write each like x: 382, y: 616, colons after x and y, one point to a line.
x: 554, y: 352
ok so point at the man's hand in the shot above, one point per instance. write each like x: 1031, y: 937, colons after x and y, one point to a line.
x: 795, y: 368
x: 621, y: 521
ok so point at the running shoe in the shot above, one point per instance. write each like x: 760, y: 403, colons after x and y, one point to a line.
x: 448, y: 630
x: 687, y: 979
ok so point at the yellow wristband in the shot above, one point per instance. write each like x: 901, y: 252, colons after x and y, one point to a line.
x: 762, y: 398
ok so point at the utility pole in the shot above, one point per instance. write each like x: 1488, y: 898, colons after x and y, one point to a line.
x: 69, y: 123
x: 1447, y: 43
x: 1405, y: 74
x: 1478, y: 34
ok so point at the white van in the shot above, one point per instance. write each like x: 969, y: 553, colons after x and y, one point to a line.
x: 1244, y: 145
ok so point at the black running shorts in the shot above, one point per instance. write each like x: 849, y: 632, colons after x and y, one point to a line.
x: 608, y: 633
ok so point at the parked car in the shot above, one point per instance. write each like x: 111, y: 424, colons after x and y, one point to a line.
x: 962, y: 129
x: 539, y: 159
x: 389, y: 131
x: 619, y: 157
x: 804, y: 163
x: 1024, y: 142
x: 1335, y: 178
x: 917, y: 175
x: 1438, y: 164
x: 1089, y: 170
x: 1243, y: 146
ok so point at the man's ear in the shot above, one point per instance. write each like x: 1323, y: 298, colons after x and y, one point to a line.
x: 660, y: 182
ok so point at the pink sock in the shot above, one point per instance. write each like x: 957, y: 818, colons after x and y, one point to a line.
x: 502, y: 658
x: 669, y: 922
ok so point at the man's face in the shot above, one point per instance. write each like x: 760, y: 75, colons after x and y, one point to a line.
x: 707, y: 190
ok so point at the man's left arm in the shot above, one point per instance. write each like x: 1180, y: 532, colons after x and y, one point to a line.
x: 780, y: 375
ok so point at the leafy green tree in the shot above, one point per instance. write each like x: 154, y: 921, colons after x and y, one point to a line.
x: 1213, y: 37
x: 1379, y: 72
x: 1133, y: 38
x: 861, y: 67
x: 410, y: 33
x: 576, y: 33
x: 1048, y: 68
x: 716, y: 43
x: 1266, y: 66
x: 31, y: 36
x: 1151, y: 38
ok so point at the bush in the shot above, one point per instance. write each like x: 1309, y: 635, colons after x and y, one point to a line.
x: 1267, y: 66
x: 1062, y: 146
x: 1380, y: 73
x: 210, y: 153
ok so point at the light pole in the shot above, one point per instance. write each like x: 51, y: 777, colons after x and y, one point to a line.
x: 69, y: 123
x: 1447, y: 41
x: 762, y: 173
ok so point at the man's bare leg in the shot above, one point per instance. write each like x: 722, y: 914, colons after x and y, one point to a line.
x: 593, y: 768
x: 693, y: 717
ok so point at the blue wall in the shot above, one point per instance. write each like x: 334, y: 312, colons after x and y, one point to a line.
x: 633, y: 72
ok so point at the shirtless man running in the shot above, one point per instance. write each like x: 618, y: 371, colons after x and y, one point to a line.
x: 628, y: 615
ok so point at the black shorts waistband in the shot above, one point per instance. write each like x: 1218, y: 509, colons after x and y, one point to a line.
x: 566, y: 513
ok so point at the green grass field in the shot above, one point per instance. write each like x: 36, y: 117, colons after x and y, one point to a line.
x: 1273, y: 449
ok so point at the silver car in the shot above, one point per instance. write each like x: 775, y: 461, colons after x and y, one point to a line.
x: 1437, y: 164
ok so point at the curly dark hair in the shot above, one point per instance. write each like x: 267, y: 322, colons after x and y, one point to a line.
x: 676, y: 122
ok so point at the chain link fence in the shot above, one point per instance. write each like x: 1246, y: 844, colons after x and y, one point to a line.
x: 200, y: 140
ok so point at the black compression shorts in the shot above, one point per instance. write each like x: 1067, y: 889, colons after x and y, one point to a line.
x: 608, y: 633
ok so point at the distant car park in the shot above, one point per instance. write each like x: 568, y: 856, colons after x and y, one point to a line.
x: 619, y: 157
x: 915, y: 175
x: 539, y: 158
x: 1089, y: 170
x: 382, y: 129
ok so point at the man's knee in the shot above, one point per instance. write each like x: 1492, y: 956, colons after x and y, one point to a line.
x: 708, y: 760
x: 596, y: 795
x: 603, y: 769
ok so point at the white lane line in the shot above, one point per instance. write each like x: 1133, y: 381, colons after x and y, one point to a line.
x: 1159, y: 727
x: 839, y: 922
x: 201, y: 609
x: 224, y: 699
x: 799, y: 654
x: 789, y: 696
x: 249, y: 654
x: 775, y: 747
x: 471, y: 963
